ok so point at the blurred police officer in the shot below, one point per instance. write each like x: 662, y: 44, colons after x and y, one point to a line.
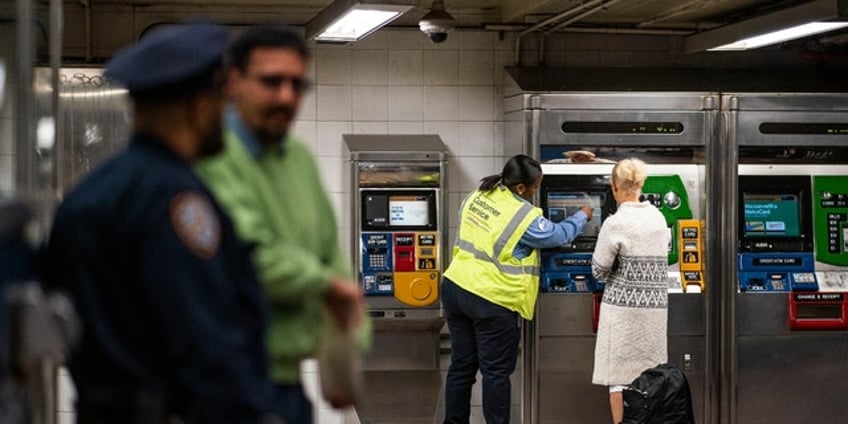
x: 173, y: 317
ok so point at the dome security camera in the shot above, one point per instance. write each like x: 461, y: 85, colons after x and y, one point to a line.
x: 437, y: 23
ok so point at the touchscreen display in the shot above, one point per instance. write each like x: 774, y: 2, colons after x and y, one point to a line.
x: 772, y: 215
x: 562, y: 204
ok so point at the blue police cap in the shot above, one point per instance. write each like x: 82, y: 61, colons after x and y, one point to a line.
x: 169, y: 56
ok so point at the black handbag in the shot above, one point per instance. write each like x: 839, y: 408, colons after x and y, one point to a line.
x: 660, y: 395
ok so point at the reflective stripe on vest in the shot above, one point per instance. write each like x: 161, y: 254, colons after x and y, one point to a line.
x: 500, y: 243
x: 491, y: 226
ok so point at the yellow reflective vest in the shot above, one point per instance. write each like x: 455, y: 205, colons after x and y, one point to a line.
x: 491, y: 225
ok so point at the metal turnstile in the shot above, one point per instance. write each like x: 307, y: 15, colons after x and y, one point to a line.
x: 787, y: 335
x: 397, y: 195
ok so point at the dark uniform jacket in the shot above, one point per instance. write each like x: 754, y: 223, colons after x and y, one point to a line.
x: 173, y: 317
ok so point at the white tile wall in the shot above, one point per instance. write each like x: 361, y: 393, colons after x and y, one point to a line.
x: 406, y: 67
x: 331, y: 176
x: 333, y: 66
x: 441, y: 103
x: 308, y: 106
x: 476, y: 66
x: 330, y: 140
x: 448, y: 131
x: 334, y: 102
x: 370, y: 67
x: 404, y: 39
x: 307, y: 132
x: 441, y: 67
x: 371, y: 103
x: 370, y: 128
x: 477, y: 139
x: 406, y: 127
x: 477, y: 103
x: 406, y: 103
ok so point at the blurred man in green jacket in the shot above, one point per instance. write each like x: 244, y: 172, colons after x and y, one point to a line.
x: 269, y: 183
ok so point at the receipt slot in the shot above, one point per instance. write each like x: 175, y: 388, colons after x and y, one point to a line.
x: 397, y: 187
x: 818, y: 311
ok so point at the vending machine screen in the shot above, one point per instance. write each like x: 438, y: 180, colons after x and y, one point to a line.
x: 410, y: 210
x: 399, y: 210
x: 772, y: 214
x: 562, y: 204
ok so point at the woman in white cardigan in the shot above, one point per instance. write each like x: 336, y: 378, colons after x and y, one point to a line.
x: 631, y: 258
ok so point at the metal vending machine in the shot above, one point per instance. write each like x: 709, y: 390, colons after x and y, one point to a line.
x: 578, y: 137
x: 789, y: 311
x: 397, y: 194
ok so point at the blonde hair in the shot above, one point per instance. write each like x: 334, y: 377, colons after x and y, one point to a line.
x: 629, y: 175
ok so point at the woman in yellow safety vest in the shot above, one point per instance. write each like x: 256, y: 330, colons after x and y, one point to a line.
x: 492, y: 280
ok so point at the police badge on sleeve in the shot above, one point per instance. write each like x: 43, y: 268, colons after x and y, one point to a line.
x: 196, y: 224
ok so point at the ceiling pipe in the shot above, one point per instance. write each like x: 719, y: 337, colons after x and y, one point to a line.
x: 591, y: 11
x: 630, y: 31
x: 549, y: 21
x: 677, y: 11
x: 678, y: 30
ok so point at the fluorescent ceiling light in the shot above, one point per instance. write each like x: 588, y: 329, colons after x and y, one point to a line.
x: 788, y: 24
x: 346, y: 21
x: 774, y: 37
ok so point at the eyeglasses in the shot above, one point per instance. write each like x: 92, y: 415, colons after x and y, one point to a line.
x: 275, y: 81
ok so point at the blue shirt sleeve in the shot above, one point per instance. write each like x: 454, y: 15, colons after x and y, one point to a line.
x: 544, y: 233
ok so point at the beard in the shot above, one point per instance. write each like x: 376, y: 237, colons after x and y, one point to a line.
x: 276, y: 124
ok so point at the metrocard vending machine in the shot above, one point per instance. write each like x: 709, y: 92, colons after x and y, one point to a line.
x: 397, y: 188
x: 789, y: 337
x: 570, y: 296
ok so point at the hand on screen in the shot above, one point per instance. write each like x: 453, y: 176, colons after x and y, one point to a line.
x: 588, y: 210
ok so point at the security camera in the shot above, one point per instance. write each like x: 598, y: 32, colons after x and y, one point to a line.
x: 437, y: 23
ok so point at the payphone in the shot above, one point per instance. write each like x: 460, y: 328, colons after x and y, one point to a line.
x: 397, y: 192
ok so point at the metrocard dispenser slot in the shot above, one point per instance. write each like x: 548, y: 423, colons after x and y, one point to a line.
x: 818, y: 311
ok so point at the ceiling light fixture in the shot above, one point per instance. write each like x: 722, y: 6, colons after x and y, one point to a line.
x: 347, y: 21
x: 785, y: 24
